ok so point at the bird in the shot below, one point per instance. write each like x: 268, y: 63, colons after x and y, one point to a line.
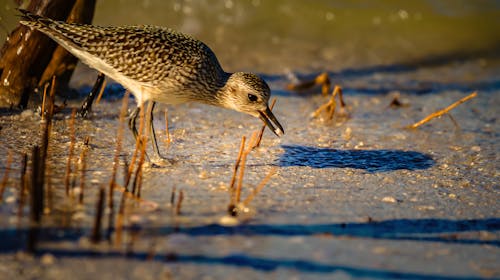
x: 159, y: 65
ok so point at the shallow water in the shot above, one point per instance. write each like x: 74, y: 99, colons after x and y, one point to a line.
x: 361, y: 197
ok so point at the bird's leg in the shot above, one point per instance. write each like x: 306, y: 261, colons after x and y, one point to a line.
x: 150, y: 125
x: 132, y: 124
x: 87, y: 103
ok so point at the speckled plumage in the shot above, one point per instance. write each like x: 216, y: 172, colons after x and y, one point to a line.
x: 159, y: 64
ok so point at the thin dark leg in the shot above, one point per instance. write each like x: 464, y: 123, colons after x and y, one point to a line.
x: 151, y: 127
x: 87, y: 103
x: 132, y: 121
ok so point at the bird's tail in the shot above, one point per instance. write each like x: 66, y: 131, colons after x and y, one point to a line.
x: 36, y: 21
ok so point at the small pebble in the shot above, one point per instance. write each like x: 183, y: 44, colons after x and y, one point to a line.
x: 47, y: 259
x: 389, y: 199
x: 228, y: 221
x: 10, y: 199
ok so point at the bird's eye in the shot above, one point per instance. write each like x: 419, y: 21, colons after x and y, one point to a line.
x: 252, y: 97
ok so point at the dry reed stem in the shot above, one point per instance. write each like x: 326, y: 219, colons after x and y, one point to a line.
x: 83, y: 169
x: 261, y: 132
x: 119, y: 139
x: 242, y: 168
x: 138, y: 171
x: 101, y: 91
x: 36, y: 189
x: 119, y: 219
x: 71, y: 148
x: 139, y: 200
x: 22, y: 183
x: 52, y: 97
x: 5, y: 175
x: 331, y: 105
x: 172, y: 197
x: 137, y: 146
x: 260, y: 186
x: 43, y: 100
x: 167, y: 132
x: 443, y: 111
x: 179, y: 203
x: 323, y: 80
x: 96, y: 230
x: 138, y: 174
x: 50, y: 193
x: 236, y: 166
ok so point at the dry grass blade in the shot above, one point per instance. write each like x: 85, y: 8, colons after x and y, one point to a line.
x: 167, y: 132
x: 179, y: 203
x: 43, y: 100
x: 83, y: 168
x: 443, y: 111
x: 236, y: 166
x: 331, y: 105
x: 5, y: 175
x: 96, y: 230
x: 119, y: 139
x: 101, y: 92
x: 244, y: 155
x: 22, y: 183
x: 260, y: 186
x: 69, y: 162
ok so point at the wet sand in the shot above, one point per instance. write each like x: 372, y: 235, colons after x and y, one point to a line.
x: 356, y: 198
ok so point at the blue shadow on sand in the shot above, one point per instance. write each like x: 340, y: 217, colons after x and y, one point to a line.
x: 369, y: 160
x: 413, y: 230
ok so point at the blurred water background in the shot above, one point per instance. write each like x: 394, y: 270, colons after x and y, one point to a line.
x: 282, y: 35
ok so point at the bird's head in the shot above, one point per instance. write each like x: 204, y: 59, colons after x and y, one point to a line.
x: 248, y: 93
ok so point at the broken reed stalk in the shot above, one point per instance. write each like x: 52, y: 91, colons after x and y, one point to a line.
x: 323, y: 80
x: 137, y: 146
x: 49, y: 192
x: 68, y: 173
x: 261, y: 132
x: 3, y: 185
x: 331, y: 105
x: 52, y: 97
x: 242, y: 167
x: 443, y: 111
x: 167, y: 132
x: 236, y: 166
x: 119, y: 219
x: 83, y: 168
x: 101, y: 91
x: 121, y: 209
x: 138, y: 172
x: 179, y: 203
x: 96, y: 230
x: 119, y: 139
x: 36, y: 190
x: 22, y: 183
x: 116, y: 159
x: 172, y: 197
x: 43, y: 100
x: 260, y: 186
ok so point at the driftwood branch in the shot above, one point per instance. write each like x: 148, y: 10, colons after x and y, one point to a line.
x: 28, y: 58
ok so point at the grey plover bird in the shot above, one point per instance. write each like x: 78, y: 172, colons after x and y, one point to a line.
x: 158, y: 64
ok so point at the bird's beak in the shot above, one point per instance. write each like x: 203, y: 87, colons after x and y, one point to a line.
x: 268, y: 118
